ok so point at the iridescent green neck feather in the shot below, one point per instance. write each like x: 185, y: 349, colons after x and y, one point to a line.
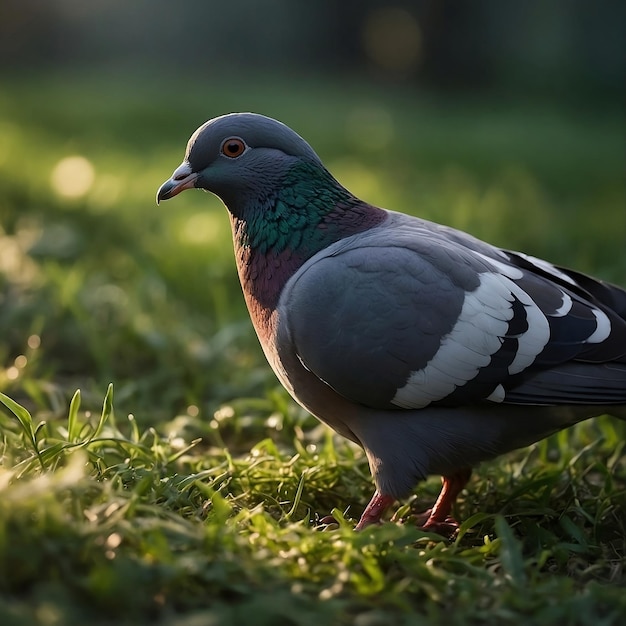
x: 296, y: 217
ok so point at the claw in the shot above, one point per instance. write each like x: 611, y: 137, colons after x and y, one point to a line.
x: 445, y: 528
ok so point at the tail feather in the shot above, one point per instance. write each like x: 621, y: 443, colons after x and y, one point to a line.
x: 574, y: 383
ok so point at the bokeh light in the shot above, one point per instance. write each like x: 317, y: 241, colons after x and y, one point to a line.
x: 392, y: 39
x: 73, y: 176
x: 203, y: 228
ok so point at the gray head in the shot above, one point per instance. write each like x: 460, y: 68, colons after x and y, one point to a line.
x: 237, y: 156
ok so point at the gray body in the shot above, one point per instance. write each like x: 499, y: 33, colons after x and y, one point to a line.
x: 380, y: 303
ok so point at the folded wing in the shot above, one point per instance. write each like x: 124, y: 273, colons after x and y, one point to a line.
x: 409, y: 315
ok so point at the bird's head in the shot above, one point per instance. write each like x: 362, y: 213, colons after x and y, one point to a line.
x: 238, y: 157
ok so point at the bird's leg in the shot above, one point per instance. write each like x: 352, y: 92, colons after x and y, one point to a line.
x: 374, y: 510
x: 439, y: 519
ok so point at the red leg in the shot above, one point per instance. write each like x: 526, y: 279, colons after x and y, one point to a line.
x: 374, y: 510
x: 439, y: 520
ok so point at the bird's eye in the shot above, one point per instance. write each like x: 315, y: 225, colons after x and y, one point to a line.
x: 233, y: 147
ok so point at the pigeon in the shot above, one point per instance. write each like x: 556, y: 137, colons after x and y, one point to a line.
x: 430, y: 349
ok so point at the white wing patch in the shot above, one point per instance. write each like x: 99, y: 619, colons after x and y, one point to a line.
x: 477, y: 334
x: 565, y: 307
x: 497, y: 395
x: 533, y: 340
x: 603, y: 327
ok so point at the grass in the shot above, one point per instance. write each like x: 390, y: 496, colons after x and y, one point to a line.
x: 192, y: 493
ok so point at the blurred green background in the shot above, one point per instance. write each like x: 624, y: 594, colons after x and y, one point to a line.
x: 504, y: 119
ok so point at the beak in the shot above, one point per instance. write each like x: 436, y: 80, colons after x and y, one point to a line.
x: 182, y: 178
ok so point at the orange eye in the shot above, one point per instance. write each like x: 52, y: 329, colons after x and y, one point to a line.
x: 233, y: 147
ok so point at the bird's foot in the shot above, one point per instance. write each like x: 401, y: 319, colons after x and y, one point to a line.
x: 430, y: 523
x: 446, y: 528
x: 438, y: 519
x: 374, y: 510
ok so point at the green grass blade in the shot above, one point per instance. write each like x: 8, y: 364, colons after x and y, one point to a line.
x: 134, y: 429
x: 73, y: 427
x: 107, y: 412
x: 51, y: 453
x: 510, y: 552
x: 177, y: 455
x: 469, y: 523
x: 25, y: 420
x: 298, y: 496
